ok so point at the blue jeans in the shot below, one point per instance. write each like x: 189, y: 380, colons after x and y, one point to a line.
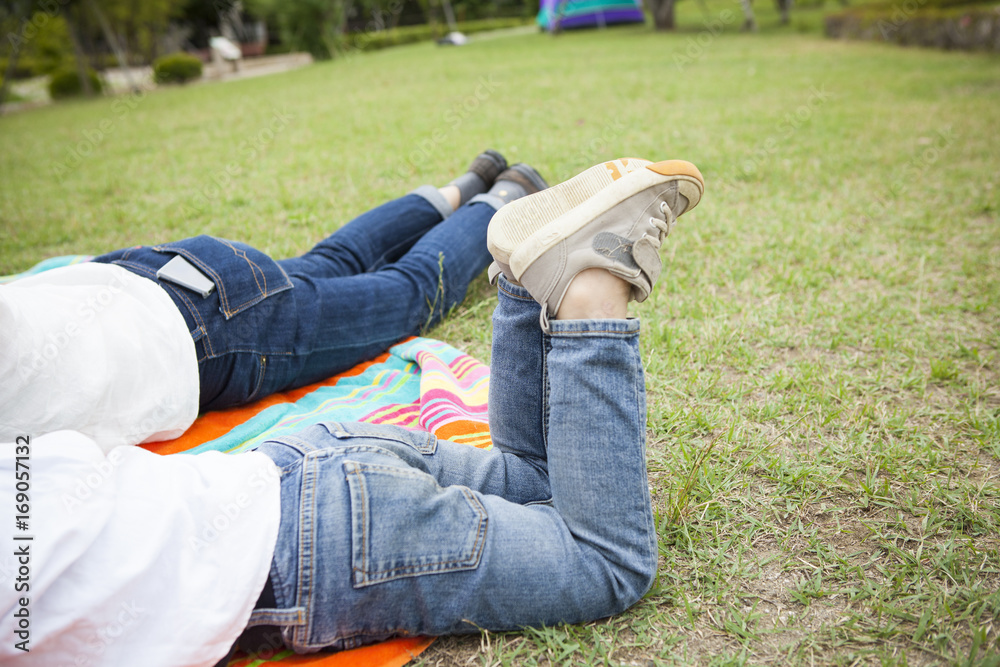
x: 388, y: 532
x: 273, y: 325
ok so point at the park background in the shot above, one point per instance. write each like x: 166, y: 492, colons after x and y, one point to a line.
x: 821, y: 349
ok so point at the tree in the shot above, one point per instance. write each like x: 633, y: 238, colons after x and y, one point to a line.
x: 35, y: 32
x: 784, y: 6
x: 12, y: 14
x: 316, y: 26
x: 132, y: 26
x: 73, y: 31
x: 663, y: 14
x: 749, y: 20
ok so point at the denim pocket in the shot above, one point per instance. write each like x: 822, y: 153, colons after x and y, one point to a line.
x: 421, y: 441
x: 403, y: 524
x: 243, y: 276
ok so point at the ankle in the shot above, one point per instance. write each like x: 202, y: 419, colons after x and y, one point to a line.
x: 477, y: 180
x: 452, y: 195
x: 595, y: 294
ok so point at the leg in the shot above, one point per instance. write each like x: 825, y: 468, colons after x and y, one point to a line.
x: 517, y: 416
x: 393, y: 552
x: 340, y: 322
x: 374, y: 238
x: 384, y: 234
x: 403, y: 554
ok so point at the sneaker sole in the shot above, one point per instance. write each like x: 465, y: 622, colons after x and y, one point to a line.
x: 516, y: 221
x: 690, y: 182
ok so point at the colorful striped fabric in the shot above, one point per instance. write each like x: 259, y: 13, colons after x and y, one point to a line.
x: 423, y: 384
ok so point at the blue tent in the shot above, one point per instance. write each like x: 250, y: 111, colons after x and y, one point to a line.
x: 562, y: 14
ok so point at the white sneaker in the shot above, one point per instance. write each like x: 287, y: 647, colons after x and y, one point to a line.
x: 520, y: 219
x: 620, y: 227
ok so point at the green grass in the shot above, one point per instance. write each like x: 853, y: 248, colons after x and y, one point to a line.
x: 821, y: 350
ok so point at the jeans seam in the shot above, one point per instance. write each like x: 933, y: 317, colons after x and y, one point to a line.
x: 512, y: 295
x: 250, y: 350
x: 639, y: 402
x: 253, y: 267
x: 579, y: 334
x: 265, y: 292
x: 261, y: 369
x: 546, y: 348
x: 306, y: 548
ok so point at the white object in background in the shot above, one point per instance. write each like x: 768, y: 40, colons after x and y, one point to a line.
x: 225, y: 48
x: 454, y: 38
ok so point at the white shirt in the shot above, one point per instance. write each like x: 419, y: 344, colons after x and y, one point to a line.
x: 96, y: 349
x: 136, y: 559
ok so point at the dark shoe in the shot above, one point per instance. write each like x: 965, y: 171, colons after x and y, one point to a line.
x: 488, y: 165
x: 525, y: 176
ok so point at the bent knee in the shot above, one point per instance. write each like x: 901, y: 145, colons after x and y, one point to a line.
x: 639, y: 578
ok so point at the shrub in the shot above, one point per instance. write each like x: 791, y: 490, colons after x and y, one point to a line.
x: 954, y: 27
x: 176, y: 68
x: 66, y: 83
x: 375, y: 40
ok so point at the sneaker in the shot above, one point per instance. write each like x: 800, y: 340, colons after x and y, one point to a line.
x: 488, y: 165
x: 523, y: 175
x: 518, y: 220
x: 619, y: 228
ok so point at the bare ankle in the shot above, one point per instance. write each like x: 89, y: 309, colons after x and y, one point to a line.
x: 595, y: 294
x: 452, y: 195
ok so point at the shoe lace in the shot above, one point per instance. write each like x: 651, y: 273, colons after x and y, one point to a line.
x: 664, y: 224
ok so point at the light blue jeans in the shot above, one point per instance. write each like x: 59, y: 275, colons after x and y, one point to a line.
x: 390, y: 532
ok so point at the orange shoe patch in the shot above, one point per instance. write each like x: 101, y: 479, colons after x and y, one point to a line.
x: 621, y: 166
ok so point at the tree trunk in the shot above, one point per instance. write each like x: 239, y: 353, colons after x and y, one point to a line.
x: 15, y: 51
x: 334, y: 31
x: 113, y: 43
x: 81, y: 58
x: 663, y: 14
x: 785, y: 6
x: 11, y: 66
x: 749, y: 21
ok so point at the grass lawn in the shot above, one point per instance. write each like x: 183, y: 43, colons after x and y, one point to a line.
x: 822, y: 349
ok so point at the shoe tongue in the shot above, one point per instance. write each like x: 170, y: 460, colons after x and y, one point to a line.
x: 681, y: 204
x: 677, y: 202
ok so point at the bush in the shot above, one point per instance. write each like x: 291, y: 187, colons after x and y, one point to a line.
x: 176, y: 68
x: 66, y: 83
x: 951, y: 27
x: 375, y: 40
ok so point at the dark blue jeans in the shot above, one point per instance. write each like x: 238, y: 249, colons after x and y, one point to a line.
x: 275, y: 325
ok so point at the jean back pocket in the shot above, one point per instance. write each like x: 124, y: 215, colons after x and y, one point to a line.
x: 404, y: 524
x: 243, y: 275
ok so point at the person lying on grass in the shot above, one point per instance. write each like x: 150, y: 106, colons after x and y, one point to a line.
x: 126, y: 349
x: 351, y: 533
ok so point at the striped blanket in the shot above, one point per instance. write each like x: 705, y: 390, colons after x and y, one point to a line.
x: 420, y: 383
